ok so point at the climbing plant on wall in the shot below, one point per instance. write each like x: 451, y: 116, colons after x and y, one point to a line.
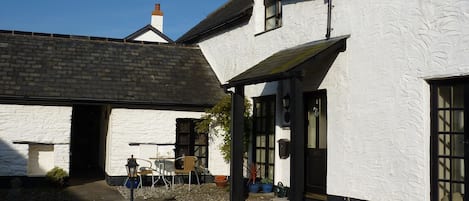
x: 217, y: 120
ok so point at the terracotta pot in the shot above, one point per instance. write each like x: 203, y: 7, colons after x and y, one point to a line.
x: 221, y: 180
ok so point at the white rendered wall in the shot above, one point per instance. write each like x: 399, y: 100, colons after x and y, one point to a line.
x: 151, y: 36
x: 148, y: 126
x: 378, y: 100
x: 43, y: 124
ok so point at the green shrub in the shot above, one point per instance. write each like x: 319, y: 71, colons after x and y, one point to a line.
x: 220, y: 116
x: 266, y: 180
x: 57, y: 177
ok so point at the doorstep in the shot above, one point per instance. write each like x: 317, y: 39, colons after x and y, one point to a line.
x: 262, y: 196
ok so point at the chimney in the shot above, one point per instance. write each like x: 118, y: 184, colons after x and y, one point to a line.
x: 157, y: 18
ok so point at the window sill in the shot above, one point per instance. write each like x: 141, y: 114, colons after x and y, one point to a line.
x: 269, y: 30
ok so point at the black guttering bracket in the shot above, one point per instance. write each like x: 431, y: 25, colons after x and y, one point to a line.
x: 40, y: 143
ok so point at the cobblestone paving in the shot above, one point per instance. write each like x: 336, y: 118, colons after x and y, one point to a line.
x: 206, y: 192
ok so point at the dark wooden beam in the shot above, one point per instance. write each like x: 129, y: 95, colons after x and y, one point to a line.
x: 237, y: 132
x: 297, y: 162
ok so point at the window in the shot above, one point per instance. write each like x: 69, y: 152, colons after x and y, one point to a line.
x: 449, y: 140
x: 191, y: 143
x: 264, y: 135
x: 273, y: 14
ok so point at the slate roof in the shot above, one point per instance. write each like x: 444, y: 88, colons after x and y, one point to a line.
x: 52, y: 67
x: 144, y: 30
x: 281, y: 64
x: 232, y: 13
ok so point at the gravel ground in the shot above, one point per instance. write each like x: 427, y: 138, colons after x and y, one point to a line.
x: 208, y: 192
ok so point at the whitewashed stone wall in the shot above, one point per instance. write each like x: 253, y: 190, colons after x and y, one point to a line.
x: 147, y: 126
x: 378, y: 99
x: 44, y: 124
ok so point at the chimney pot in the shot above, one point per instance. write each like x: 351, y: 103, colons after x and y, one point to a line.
x: 157, y: 10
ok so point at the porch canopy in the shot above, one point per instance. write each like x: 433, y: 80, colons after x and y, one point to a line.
x: 284, y: 63
x: 311, y: 60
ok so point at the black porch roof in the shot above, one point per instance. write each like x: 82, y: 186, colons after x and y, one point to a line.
x: 52, y: 67
x: 282, y: 64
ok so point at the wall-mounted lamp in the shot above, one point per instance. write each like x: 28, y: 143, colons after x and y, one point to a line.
x: 286, y: 106
x: 286, y: 102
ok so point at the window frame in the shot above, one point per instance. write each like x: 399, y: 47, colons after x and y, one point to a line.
x: 435, y: 135
x: 277, y: 16
x: 192, y: 141
x: 257, y: 127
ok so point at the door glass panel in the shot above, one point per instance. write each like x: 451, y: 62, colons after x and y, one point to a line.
x: 271, y: 141
x: 457, y: 170
x: 271, y: 155
x: 322, y: 125
x: 458, y: 96
x: 458, y: 121
x: 443, y: 190
x: 444, y: 94
x: 262, y: 141
x: 311, y: 129
x: 457, y: 145
x: 444, y: 168
x: 444, y: 121
x: 444, y: 145
x: 458, y: 191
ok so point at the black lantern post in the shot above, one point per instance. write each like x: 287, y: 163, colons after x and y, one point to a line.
x: 132, y: 174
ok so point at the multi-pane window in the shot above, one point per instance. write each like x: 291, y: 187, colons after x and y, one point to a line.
x: 264, y: 135
x: 273, y: 14
x: 449, y: 141
x: 191, y: 143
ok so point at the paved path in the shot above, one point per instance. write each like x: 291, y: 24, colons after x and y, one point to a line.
x: 93, y: 191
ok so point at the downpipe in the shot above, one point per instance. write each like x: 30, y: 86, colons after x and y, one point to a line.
x: 329, y: 16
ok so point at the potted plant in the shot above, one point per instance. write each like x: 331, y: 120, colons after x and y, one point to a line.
x: 253, y: 185
x: 267, y: 185
x: 221, y: 180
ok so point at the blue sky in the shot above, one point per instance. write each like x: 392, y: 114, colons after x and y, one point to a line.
x: 103, y: 18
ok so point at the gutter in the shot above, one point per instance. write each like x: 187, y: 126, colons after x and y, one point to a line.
x: 243, y: 14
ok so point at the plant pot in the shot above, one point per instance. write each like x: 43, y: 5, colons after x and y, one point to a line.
x: 254, y: 188
x: 267, y: 188
x: 221, y: 181
x: 129, y: 184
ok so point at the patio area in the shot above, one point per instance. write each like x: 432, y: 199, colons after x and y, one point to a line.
x: 208, y: 192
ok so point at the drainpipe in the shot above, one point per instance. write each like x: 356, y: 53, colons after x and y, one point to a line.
x: 329, y: 16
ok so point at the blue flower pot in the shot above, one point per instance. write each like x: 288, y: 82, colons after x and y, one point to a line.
x: 267, y: 188
x: 135, y: 183
x: 254, y: 188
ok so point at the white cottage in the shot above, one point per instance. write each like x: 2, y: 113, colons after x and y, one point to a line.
x: 377, y: 94
x: 86, y: 104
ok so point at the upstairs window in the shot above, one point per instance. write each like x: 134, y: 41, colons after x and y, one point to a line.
x: 273, y: 14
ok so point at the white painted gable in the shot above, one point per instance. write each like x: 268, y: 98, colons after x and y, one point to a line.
x: 151, y: 36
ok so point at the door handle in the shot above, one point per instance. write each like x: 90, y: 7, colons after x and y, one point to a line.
x: 464, y: 141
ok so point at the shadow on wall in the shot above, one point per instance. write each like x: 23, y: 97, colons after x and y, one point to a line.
x: 18, y: 160
x: 12, y: 163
